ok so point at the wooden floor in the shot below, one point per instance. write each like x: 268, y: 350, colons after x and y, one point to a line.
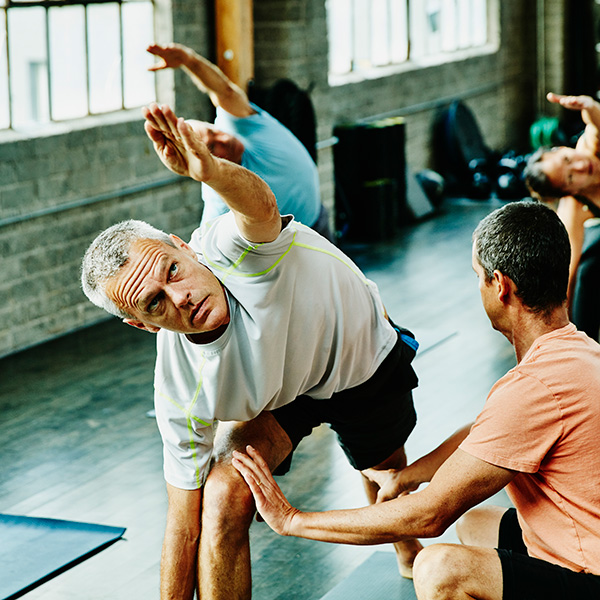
x: 75, y: 442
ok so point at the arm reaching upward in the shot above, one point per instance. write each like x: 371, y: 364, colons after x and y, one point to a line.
x: 207, y: 77
x: 590, y: 115
x: 247, y: 195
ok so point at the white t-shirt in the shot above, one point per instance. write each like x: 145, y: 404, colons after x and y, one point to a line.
x: 304, y: 320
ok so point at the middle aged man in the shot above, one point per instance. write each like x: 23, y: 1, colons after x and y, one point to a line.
x: 264, y: 327
x: 537, y: 436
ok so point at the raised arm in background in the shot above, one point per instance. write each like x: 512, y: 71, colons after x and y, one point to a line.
x: 207, y: 77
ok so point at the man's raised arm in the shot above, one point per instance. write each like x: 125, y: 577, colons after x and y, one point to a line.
x: 207, y: 77
x: 247, y: 195
x: 590, y: 115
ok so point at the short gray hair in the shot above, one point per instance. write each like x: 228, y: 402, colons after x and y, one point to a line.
x: 107, y: 254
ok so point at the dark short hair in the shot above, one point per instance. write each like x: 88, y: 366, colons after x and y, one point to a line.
x: 536, y: 179
x: 527, y: 242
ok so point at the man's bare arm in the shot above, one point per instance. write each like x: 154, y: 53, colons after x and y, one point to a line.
x: 573, y: 214
x: 247, y: 195
x: 459, y: 484
x: 395, y: 482
x: 590, y: 115
x: 180, y: 546
x: 207, y: 77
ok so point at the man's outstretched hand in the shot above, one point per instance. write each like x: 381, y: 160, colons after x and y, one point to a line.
x: 172, y: 56
x: 272, y: 505
x: 176, y: 145
x: 590, y: 109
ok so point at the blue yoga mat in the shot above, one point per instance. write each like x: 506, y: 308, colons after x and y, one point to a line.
x: 374, y: 579
x: 33, y: 550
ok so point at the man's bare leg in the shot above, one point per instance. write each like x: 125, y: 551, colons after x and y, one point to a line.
x: 454, y: 572
x: 480, y: 526
x: 407, y: 550
x: 228, y: 509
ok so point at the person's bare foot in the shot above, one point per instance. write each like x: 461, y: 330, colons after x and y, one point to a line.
x: 406, y: 552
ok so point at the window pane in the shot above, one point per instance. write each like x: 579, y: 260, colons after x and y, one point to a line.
x: 464, y: 16
x: 399, y: 32
x: 380, y: 33
x: 449, y: 26
x: 479, y: 32
x: 138, y: 22
x: 339, y: 26
x: 362, y: 37
x: 28, y: 66
x: 4, y: 114
x: 67, y: 62
x: 104, y: 42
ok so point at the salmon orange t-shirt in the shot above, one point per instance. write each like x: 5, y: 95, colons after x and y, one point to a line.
x: 542, y: 419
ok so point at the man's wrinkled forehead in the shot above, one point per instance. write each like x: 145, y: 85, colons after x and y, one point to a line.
x: 145, y: 257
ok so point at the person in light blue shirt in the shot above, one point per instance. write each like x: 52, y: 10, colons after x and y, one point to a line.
x: 249, y: 136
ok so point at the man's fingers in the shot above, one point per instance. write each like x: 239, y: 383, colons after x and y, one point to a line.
x: 191, y: 143
x: 246, y: 468
x: 154, y: 134
x: 258, y: 459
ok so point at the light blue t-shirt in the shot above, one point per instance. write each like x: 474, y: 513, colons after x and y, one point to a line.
x: 276, y: 155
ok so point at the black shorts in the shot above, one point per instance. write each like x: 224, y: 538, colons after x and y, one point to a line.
x: 527, y: 578
x: 371, y: 420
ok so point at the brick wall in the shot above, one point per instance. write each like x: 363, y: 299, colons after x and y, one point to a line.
x: 499, y: 87
x: 60, y: 189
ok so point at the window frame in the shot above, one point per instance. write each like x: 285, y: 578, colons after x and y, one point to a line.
x: 414, y: 59
x: 120, y: 106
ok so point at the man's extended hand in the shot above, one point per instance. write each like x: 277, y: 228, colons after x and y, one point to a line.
x: 392, y: 482
x: 172, y: 56
x: 589, y: 108
x: 175, y: 143
x: 272, y: 505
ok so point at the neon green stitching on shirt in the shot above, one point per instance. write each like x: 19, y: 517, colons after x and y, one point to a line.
x: 231, y: 270
x: 189, y: 417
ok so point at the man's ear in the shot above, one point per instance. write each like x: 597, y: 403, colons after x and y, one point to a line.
x: 179, y: 243
x: 504, y: 285
x: 141, y: 325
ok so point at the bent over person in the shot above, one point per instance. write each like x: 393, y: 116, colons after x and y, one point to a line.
x: 265, y: 331
x: 537, y: 436
x: 572, y: 177
x: 251, y: 137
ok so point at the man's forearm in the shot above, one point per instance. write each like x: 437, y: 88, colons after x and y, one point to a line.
x: 211, y: 80
x: 208, y: 77
x: 386, y: 522
x: 250, y: 199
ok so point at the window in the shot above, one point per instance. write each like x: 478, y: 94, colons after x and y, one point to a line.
x: 365, y: 35
x: 63, y: 59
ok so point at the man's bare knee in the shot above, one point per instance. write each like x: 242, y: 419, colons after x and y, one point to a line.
x: 438, y: 571
x: 227, y: 501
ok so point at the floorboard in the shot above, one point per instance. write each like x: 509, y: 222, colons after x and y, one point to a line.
x: 76, y: 443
